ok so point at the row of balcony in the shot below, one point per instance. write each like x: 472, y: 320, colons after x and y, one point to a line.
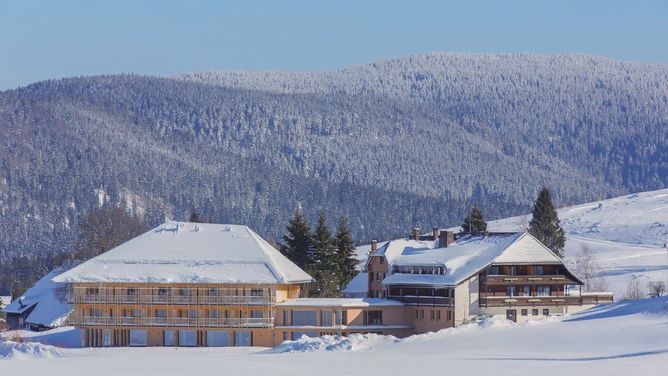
x: 243, y: 322
x: 423, y: 300
x: 501, y: 301
x: 173, y: 300
x: 526, y: 280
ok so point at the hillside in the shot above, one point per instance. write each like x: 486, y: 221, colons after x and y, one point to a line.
x: 620, y: 339
x: 392, y: 144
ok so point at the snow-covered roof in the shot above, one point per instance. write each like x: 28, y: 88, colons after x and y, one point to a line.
x: 393, y: 249
x: 468, y: 255
x: 358, y: 285
x: 339, y: 302
x: 51, y: 308
x: 183, y: 252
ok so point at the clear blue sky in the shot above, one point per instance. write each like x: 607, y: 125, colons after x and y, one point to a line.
x: 52, y: 39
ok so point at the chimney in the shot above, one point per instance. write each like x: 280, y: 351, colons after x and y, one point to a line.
x: 416, y: 233
x: 445, y: 238
x: 374, y: 246
x: 435, y: 232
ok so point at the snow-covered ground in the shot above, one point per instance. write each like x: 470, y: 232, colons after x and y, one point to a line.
x: 625, y: 234
x: 627, y: 338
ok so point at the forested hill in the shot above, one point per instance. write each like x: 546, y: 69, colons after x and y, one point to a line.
x: 392, y: 144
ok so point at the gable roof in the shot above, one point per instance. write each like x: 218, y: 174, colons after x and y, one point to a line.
x: 469, y: 255
x: 183, y: 252
x: 50, y: 308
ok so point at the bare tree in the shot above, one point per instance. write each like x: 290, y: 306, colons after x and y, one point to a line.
x: 633, y: 290
x: 657, y: 289
x: 590, y: 270
x: 105, y: 228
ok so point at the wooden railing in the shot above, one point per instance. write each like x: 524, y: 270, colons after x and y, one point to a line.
x: 526, y: 280
x: 501, y: 301
x: 423, y: 300
x: 245, y: 322
x: 173, y: 300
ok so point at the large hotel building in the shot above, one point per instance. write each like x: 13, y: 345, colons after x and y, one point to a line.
x: 190, y: 284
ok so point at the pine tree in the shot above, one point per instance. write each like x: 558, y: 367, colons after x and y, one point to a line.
x: 474, y: 223
x: 324, y: 260
x: 297, y: 242
x: 345, y: 247
x: 545, y: 223
x: 194, y: 218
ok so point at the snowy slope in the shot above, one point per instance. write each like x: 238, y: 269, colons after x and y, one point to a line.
x: 626, y: 235
x: 619, y: 339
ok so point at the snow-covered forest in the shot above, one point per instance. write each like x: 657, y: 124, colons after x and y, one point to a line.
x: 390, y: 145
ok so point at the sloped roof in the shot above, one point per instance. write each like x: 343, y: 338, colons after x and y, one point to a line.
x: 358, y: 285
x: 470, y: 254
x: 183, y: 252
x: 51, y: 307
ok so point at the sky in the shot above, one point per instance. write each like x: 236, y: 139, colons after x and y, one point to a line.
x: 53, y: 39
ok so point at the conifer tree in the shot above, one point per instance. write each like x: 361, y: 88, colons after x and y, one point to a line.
x: 194, y: 218
x: 545, y: 223
x: 297, y: 241
x: 345, y: 247
x: 474, y: 223
x: 324, y: 261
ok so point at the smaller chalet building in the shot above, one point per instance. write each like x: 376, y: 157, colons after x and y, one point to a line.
x: 188, y: 284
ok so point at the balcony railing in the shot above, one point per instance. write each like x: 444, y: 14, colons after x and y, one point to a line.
x: 501, y: 301
x: 423, y: 300
x: 526, y: 280
x: 173, y: 300
x: 245, y: 322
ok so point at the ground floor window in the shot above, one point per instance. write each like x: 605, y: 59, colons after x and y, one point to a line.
x: 435, y: 315
x: 106, y: 338
x: 298, y: 335
x: 242, y: 338
x: 525, y: 312
x: 449, y: 315
x: 326, y: 318
x: 138, y: 337
x: 169, y: 338
x: 373, y: 317
x: 546, y: 311
x: 534, y: 312
x: 187, y: 338
x: 217, y: 338
x: 304, y: 317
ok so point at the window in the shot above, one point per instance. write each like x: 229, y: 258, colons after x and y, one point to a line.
x: 92, y: 291
x: 373, y: 317
x: 341, y: 318
x: 382, y: 260
x: 534, y: 312
x: 193, y: 313
x: 546, y: 311
x: 187, y: 338
x: 163, y: 292
x: 326, y: 318
x: 543, y: 290
x: 298, y: 335
x: 286, y: 318
x: 538, y: 270
x: 435, y: 315
x: 242, y: 338
x: 255, y: 314
x: 217, y: 338
x: 304, y: 317
x: 214, y: 292
x: 511, y: 291
x: 526, y: 290
x: 512, y: 270
x: 525, y: 312
x: 138, y: 337
x: 96, y: 312
x: 106, y: 338
x: 160, y: 313
x: 493, y: 270
x: 257, y: 292
x: 419, y: 314
x: 136, y: 312
x: 169, y: 338
x: 286, y: 336
x: 449, y: 315
x: 214, y: 314
x: 378, y: 276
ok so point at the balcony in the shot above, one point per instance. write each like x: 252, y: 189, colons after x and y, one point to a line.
x: 423, y: 300
x: 527, y: 280
x: 491, y: 300
x: 176, y: 322
x: 174, y: 300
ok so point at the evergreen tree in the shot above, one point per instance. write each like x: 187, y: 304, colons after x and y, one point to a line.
x: 345, y: 247
x: 297, y: 242
x: 474, y: 223
x: 324, y: 260
x: 194, y: 218
x: 545, y: 223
